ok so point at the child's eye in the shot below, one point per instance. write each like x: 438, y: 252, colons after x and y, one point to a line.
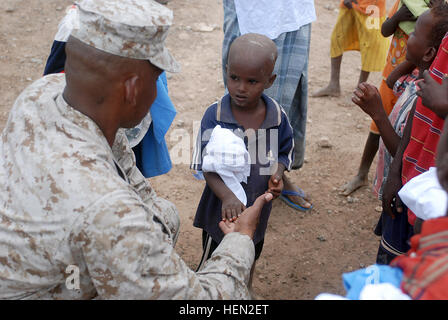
x: 233, y: 77
x: 253, y: 81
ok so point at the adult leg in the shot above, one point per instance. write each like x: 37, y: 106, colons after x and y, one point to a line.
x: 361, y: 178
x: 291, y: 90
x: 334, y: 87
x: 231, y: 32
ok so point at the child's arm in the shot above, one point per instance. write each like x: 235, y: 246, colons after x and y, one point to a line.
x: 368, y: 98
x: 391, y: 24
x: 394, y: 182
x: 434, y: 95
x: 231, y: 206
x: 348, y: 3
x: 275, y: 184
x: 402, y: 69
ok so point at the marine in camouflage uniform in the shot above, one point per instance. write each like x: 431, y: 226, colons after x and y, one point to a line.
x: 70, y: 199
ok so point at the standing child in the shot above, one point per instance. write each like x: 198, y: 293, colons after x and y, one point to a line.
x: 357, y: 28
x: 400, y: 24
x: 416, y: 152
x: 248, y: 112
x: 422, y: 48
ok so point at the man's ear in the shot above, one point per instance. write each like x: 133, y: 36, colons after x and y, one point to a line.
x: 271, y: 81
x: 430, y: 54
x: 131, y: 90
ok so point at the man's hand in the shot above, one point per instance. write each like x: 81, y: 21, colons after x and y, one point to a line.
x: 434, y: 95
x: 368, y: 98
x: 348, y: 3
x: 231, y: 208
x: 248, y: 220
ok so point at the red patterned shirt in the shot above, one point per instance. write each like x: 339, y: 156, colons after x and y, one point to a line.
x: 420, y: 154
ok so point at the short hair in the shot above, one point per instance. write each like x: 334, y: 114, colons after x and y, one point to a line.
x: 440, y: 24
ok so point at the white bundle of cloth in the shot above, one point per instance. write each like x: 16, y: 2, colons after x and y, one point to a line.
x: 424, y: 195
x: 226, y: 155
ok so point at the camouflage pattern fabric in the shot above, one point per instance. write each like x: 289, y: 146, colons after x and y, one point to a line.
x: 64, y: 205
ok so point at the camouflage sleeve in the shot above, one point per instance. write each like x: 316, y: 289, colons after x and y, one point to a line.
x: 129, y: 256
x: 164, y: 210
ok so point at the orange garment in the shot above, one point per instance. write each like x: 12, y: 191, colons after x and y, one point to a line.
x: 363, y: 6
x: 395, y: 56
x: 425, y: 265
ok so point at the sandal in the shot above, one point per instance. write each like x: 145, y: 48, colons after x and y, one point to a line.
x: 300, y: 193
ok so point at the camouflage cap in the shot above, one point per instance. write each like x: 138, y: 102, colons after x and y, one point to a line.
x: 135, y: 29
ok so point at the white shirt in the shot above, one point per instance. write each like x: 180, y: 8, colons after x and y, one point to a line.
x: 273, y: 17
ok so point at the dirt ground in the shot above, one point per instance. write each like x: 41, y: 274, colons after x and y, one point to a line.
x: 304, y: 253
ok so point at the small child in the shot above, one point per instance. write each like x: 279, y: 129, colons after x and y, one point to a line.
x: 263, y: 124
x: 354, y: 31
x: 400, y: 24
x: 421, y: 52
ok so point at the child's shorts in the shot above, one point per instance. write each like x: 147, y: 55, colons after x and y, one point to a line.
x: 209, y: 245
x: 357, y: 31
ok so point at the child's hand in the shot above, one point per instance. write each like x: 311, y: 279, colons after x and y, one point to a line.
x: 231, y: 208
x: 247, y: 223
x: 368, y: 98
x: 404, y: 14
x: 348, y: 3
x: 434, y: 95
x: 275, y: 185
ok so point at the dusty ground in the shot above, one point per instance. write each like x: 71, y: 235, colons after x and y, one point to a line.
x: 304, y: 253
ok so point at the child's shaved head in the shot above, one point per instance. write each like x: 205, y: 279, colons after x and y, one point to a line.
x: 256, y: 47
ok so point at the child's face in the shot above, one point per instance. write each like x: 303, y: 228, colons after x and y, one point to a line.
x: 246, y: 81
x: 417, y: 45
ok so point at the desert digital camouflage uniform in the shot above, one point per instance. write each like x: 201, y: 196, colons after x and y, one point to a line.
x: 64, y: 203
x: 69, y: 199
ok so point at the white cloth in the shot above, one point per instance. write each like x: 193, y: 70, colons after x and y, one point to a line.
x: 273, y: 17
x: 377, y: 291
x: 382, y: 291
x: 226, y: 155
x: 424, y: 195
x: 329, y: 296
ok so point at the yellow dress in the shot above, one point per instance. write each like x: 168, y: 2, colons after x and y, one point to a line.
x: 360, y: 29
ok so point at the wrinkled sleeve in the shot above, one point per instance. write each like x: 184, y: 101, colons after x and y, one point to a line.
x: 129, y: 256
x: 164, y: 210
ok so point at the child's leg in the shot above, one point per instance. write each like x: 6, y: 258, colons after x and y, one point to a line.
x: 361, y: 179
x: 334, y: 87
x: 363, y: 76
x: 388, y: 98
x: 343, y: 38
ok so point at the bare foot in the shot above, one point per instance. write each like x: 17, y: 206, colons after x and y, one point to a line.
x: 354, y: 184
x: 328, y: 91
